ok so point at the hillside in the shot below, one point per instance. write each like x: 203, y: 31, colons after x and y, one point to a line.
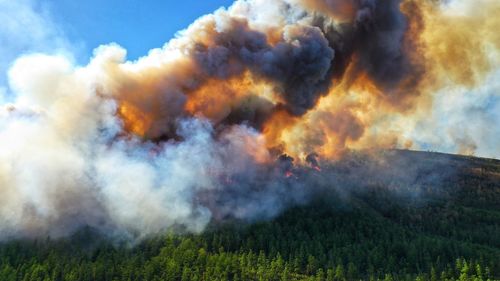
x: 394, y: 215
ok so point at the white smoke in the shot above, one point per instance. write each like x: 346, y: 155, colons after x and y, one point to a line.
x: 63, y: 164
x: 463, y: 120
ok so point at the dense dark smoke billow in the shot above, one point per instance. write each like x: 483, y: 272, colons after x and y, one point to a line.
x: 241, y: 115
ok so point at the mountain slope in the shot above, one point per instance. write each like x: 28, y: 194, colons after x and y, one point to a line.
x: 394, y: 215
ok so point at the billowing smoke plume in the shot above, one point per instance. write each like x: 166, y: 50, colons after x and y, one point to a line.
x: 214, y: 124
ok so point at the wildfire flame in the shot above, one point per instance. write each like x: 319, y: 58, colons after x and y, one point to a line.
x: 135, y: 121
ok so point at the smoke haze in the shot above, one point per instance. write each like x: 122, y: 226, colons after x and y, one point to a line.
x: 220, y: 121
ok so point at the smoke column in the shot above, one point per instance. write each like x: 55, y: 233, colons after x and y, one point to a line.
x: 210, y: 125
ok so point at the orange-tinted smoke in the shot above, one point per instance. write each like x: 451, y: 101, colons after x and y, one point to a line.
x: 356, y: 111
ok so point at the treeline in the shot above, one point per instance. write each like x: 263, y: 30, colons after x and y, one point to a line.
x: 399, y: 228
x: 318, y: 242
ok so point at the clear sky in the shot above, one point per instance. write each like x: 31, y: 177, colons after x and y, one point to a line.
x: 76, y: 27
x: 137, y: 25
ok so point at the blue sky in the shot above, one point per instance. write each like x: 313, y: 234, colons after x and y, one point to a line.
x: 75, y: 28
x: 137, y: 25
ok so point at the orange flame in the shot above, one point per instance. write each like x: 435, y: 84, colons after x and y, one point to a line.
x: 135, y: 120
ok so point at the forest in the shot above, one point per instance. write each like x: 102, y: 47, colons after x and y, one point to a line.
x: 441, y: 230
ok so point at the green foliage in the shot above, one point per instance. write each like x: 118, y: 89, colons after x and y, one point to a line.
x: 363, y: 237
x: 309, y: 243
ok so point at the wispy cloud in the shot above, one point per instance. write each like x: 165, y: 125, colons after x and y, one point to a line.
x: 27, y: 27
